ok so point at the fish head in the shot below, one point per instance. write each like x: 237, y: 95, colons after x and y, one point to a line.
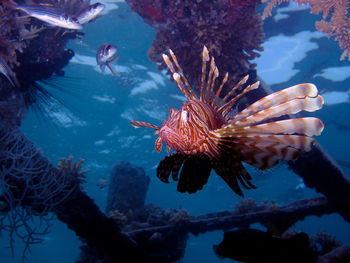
x: 96, y: 8
x: 90, y: 13
x: 170, y: 132
x: 66, y: 21
x: 181, y: 130
x: 106, y: 53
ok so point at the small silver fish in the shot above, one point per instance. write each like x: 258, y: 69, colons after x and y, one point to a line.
x: 48, y: 14
x: 90, y: 13
x: 106, y: 54
x: 8, y: 73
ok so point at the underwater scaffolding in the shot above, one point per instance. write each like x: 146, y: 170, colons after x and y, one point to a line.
x: 31, y: 186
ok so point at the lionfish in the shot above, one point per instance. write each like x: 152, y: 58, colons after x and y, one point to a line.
x: 205, y: 135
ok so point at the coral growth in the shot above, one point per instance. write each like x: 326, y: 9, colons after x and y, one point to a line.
x: 246, y: 206
x: 72, y: 169
x: 323, y: 243
x: 33, y: 50
x: 179, y: 217
x: 250, y: 205
x: 229, y: 28
x: 30, y: 185
x: 118, y: 217
x: 337, y: 26
x: 26, y: 175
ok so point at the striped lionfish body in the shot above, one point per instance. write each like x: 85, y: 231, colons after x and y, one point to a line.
x: 204, y: 136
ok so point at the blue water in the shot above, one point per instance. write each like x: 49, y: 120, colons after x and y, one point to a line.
x: 93, y: 124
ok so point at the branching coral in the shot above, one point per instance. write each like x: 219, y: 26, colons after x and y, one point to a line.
x: 229, y: 28
x: 338, y: 25
x: 73, y: 169
x: 30, y: 185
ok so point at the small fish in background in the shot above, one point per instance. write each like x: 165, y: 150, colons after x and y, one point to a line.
x: 90, y: 13
x: 252, y: 245
x: 102, y: 183
x: 105, y: 55
x: 47, y: 13
x: 8, y: 73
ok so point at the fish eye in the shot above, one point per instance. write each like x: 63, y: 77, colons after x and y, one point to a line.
x: 185, y: 115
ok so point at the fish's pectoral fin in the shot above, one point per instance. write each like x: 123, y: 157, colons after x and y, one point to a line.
x: 231, y: 170
x: 158, y: 144
x: 170, y: 164
x: 102, y: 68
x: 58, y: 31
x: 291, y: 101
x: 194, y: 174
x: 111, y: 69
x: 113, y: 59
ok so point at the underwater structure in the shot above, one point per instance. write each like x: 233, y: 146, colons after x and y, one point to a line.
x: 31, y: 186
